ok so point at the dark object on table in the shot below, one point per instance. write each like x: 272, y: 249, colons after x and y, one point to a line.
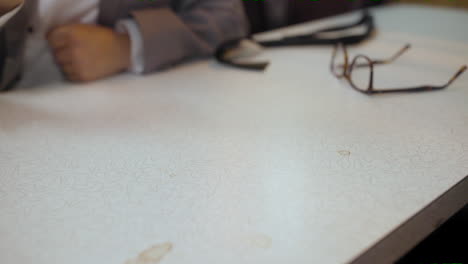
x: 266, y: 15
x: 320, y: 37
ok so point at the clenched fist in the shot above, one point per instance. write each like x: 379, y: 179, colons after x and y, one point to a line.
x: 89, y: 52
x: 8, y: 5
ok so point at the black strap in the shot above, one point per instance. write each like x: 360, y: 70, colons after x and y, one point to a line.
x: 300, y: 40
x: 225, y: 47
x: 3, y: 56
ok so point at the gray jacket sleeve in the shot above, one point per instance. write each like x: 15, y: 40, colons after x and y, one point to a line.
x: 6, y: 17
x: 12, y: 36
x: 195, y: 30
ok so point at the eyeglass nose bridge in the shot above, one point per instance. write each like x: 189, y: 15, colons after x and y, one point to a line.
x: 333, y: 64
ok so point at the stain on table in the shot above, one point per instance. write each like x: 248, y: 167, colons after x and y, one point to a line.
x: 345, y: 153
x: 152, y: 255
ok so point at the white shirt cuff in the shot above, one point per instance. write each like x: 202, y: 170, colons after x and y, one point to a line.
x: 4, y: 19
x: 136, y: 44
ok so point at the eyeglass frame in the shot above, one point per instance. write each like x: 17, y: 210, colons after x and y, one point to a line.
x: 348, y: 68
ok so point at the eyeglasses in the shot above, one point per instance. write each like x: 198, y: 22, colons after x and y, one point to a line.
x: 364, y: 80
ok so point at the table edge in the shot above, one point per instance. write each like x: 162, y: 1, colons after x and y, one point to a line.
x: 411, y: 232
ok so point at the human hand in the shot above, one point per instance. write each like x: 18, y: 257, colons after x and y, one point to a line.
x: 89, y: 52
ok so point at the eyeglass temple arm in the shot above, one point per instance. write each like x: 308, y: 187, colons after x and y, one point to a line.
x: 389, y: 60
x: 422, y: 88
x: 395, y: 56
x: 386, y: 61
x: 456, y: 75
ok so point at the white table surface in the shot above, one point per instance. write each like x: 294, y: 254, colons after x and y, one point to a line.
x: 229, y: 166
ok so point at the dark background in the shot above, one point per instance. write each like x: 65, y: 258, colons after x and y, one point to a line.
x: 447, y: 244
x: 303, y: 10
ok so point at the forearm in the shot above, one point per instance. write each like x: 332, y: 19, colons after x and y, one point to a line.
x: 171, y: 36
x: 8, y: 5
